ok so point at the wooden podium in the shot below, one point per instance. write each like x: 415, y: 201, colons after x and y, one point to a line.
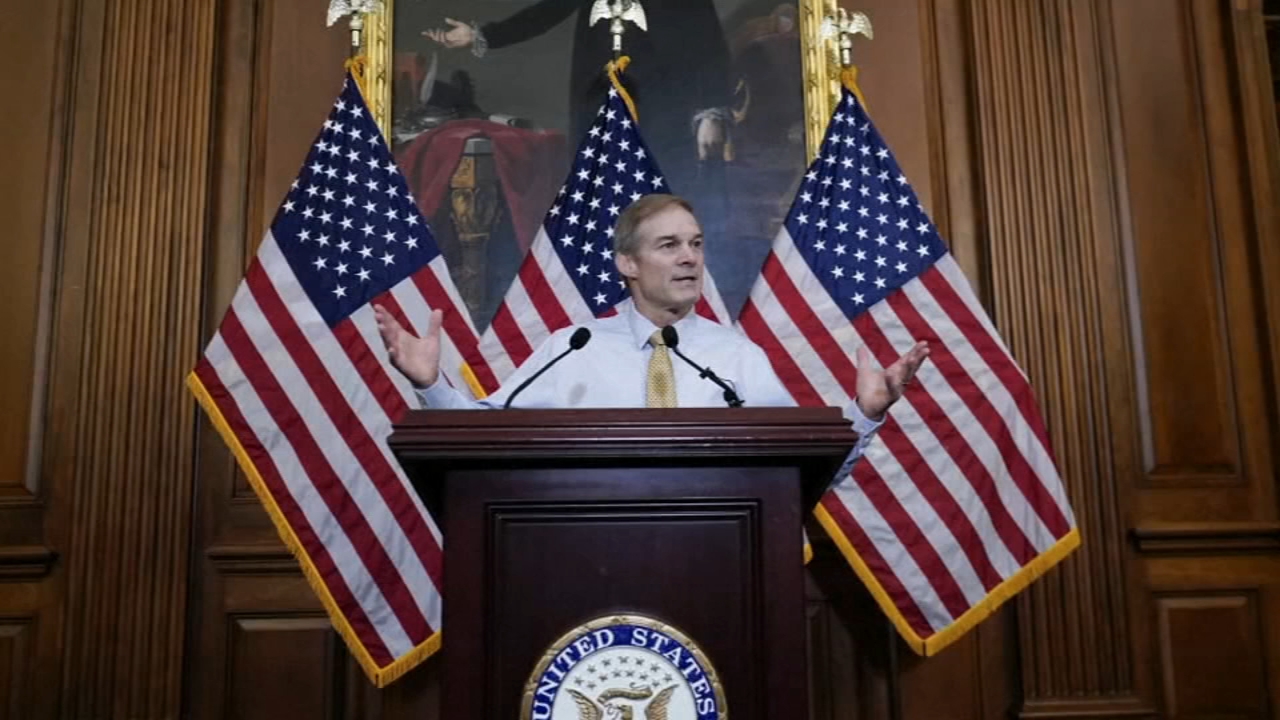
x: 692, y: 516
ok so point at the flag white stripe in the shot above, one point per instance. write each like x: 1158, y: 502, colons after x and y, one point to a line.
x: 333, y: 446
x: 955, y: 277
x: 491, y: 347
x: 1025, y: 438
x: 441, y: 271
x: 882, y: 535
x: 532, y: 327
x: 920, y: 436
x: 712, y: 295
x: 913, y: 425
x: 817, y: 297
x: 452, y: 359
x: 918, y: 508
x: 493, y: 351
x: 837, y: 323
x: 821, y: 376
x: 797, y: 346
x: 295, y: 479
x: 973, y: 431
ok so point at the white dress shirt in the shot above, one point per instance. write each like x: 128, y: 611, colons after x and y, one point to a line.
x: 610, y: 372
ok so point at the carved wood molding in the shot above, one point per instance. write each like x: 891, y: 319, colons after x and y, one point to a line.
x: 120, y: 448
x: 1208, y: 538
x: 683, y: 433
x: 1044, y: 149
x: 26, y: 562
x: 1117, y: 708
x: 253, y: 560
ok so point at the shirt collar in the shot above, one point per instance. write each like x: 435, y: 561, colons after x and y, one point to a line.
x: 642, y: 328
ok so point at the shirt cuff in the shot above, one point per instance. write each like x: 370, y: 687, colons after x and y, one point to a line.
x: 435, y: 395
x: 479, y: 43
x: 862, y: 424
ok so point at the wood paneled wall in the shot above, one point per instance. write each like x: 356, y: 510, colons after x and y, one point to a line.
x: 105, y: 194
x: 1106, y: 171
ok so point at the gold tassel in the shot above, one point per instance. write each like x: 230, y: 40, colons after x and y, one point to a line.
x: 358, y: 66
x: 613, y: 68
x: 849, y: 78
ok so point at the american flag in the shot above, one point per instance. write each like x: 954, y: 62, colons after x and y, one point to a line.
x: 957, y: 504
x: 297, y: 381
x: 568, y: 275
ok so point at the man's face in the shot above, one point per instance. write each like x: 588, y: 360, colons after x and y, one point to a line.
x: 666, y: 269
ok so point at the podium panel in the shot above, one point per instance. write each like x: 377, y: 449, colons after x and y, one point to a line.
x: 688, y: 519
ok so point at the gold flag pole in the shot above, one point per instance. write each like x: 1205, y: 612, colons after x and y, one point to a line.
x: 364, y: 44
x: 842, y: 27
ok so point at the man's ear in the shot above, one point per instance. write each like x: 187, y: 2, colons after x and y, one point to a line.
x: 626, y: 266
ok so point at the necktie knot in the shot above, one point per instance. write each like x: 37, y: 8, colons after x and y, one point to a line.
x: 656, y: 339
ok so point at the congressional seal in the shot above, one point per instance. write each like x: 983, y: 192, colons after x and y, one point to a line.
x: 623, y: 667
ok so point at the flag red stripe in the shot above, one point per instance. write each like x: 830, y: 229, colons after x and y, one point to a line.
x: 293, y: 515
x: 955, y: 445
x: 987, y: 416
x: 810, y: 325
x: 995, y: 356
x: 456, y: 326
x: 509, y: 334
x: 1002, y: 365
x: 348, y: 424
x: 389, y: 303
x: 356, y: 527
x: 370, y: 370
x: 792, y: 377
x: 842, y: 368
x: 939, y: 498
x: 703, y: 308
x: 542, y: 296
x: 876, y: 563
x: 904, y: 527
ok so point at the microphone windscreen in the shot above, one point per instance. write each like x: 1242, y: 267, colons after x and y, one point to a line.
x: 670, y: 337
x: 579, y: 338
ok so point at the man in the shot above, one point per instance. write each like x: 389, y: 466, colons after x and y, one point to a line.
x: 658, y: 249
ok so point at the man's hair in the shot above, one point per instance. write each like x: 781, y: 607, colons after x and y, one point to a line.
x: 625, y: 237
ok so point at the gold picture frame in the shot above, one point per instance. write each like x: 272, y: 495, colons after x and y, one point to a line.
x: 820, y: 62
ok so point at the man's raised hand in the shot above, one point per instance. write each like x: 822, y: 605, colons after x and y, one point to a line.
x: 417, y: 358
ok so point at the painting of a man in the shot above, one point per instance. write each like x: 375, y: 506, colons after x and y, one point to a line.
x: 716, y: 84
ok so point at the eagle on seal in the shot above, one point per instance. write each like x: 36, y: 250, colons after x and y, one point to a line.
x: 607, y: 709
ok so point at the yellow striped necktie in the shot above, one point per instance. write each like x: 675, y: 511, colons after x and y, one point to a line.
x: 661, y: 386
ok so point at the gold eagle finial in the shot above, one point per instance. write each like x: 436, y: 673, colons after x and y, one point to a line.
x: 616, y: 12
x: 843, y: 27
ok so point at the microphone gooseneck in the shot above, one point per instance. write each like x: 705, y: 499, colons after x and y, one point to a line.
x: 671, y: 339
x: 576, y: 342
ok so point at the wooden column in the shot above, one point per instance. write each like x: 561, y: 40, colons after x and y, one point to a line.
x: 1127, y: 227
x: 128, y: 221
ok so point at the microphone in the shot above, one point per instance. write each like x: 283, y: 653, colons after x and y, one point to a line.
x: 576, y: 342
x: 671, y: 339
